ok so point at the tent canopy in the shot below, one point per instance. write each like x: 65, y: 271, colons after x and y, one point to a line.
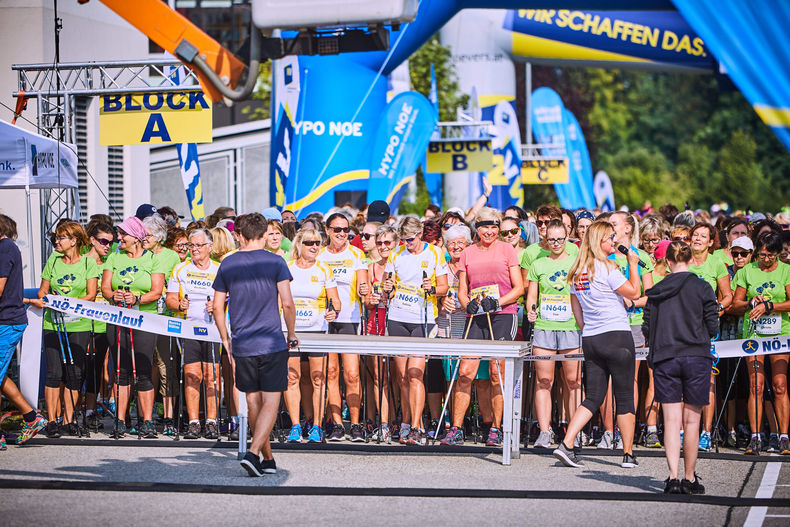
x: 28, y: 159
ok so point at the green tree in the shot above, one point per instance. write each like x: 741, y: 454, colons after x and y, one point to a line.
x: 262, y: 92
x: 432, y: 52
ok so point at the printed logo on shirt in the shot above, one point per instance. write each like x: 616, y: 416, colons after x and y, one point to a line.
x: 766, y: 289
x: 314, y: 278
x: 425, y: 264
x: 200, y: 331
x: 127, y: 275
x: 173, y: 326
x: 65, y: 284
x: 558, y: 280
x: 582, y: 285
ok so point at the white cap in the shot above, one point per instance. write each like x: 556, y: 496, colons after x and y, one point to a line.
x: 457, y: 210
x: 744, y: 242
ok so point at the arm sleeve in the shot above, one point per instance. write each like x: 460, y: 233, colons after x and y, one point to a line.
x: 615, y: 278
x: 46, y: 274
x: 283, y: 273
x: 219, y: 282
x: 172, y: 284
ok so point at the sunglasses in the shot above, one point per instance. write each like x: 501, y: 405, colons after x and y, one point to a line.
x: 541, y: 223
x: 366, y: 235
x: 61, y: 238
x: 311, y: 243
x: 681, y: 239
x: 447, y: 225
x: 103, y: 241
x: 511, y: 232
x: 740, y: 254
x: 408, y: 240
x: 338, y: 230
x: 384, y: 243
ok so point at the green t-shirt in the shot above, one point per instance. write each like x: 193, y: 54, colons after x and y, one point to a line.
x: 168, y: 260
x: 772, y: 287
x: 135, y: 273
x: 710, y: 271
x: 554, y: 294
x: 535, y: 251
x: 72, y: 281
x: 635, y: 314
x: 286, y: 244
x: 719, y: 253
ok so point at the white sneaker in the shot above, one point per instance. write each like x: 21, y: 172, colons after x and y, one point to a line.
x: 606, y: 440
x: 545, y: 439
x: 585, y: 441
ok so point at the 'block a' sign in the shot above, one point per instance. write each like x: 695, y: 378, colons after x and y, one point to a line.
x: 155, y: 118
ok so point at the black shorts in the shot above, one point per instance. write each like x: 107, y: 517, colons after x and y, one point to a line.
x: 262, y: 373
x: 683, y: 379
x: 304, y: 355
x: 343, y: 328
x: 396, y: 328
x: 504, y: 326
x: 199, y: 351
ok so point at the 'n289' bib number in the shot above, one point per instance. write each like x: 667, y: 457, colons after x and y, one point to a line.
x: 555, y: 308
x: 771, y: 325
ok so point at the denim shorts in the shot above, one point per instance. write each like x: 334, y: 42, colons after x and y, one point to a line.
x: 10, y: 335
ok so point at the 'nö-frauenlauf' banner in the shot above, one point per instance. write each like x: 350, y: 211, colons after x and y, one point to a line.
x: 132, y: 318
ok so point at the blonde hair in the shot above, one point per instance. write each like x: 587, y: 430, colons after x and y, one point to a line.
x: 409, y: 226
x: 590, y: 252
x: 296, y: 248
x: 223, y: 243
x: 632, y: 222
x: 488, y: 214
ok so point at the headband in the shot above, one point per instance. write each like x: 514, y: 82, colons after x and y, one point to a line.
x: 485, y: 223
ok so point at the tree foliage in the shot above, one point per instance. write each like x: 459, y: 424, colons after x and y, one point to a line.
x: 450, y: 98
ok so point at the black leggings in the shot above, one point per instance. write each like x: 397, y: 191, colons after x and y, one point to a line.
x: 94, y: 366
x: 396, y: 328
x: 611, y: 353
x: 56, y: 373
x: 143, y: 356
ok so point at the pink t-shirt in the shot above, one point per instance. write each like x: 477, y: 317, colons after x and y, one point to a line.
x: 491, y: 267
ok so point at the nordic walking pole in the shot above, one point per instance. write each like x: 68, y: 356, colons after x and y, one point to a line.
x: 727, y: 397
x: 214, y: 371
x: 450, y: 389
x: 180, y: 390
x: 134, y: 380
x: 73, y: 375
x: 57, y: 318
x: 117, y: 380
x: 425, y: 308
x: 387, y: 276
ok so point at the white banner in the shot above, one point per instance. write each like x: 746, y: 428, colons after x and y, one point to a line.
x: 134, y: 319
x: 30, y: 360
x: 28, y: 159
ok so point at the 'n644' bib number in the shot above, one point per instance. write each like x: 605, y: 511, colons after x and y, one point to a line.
x: 555, y: 308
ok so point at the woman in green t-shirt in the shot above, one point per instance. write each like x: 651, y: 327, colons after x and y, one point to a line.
x: 762, y: 292
x: 73, y: 275
x: 556, y: 331
x: 100, y: 239
x: 133, y: 278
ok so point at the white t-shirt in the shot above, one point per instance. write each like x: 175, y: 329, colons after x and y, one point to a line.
x: 308, y: 289
x: 195, y: 284
x: 344, y: 265
x: 408, y: 301
x: 602, y: 307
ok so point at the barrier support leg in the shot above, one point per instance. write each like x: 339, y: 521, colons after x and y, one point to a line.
x: 518, y: 382
x: 242, y: 425
x: 507, y: 417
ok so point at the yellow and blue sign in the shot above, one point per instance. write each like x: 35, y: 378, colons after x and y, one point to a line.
x: 459, y: 155
x: 155, y: 118
x: 544, y: 171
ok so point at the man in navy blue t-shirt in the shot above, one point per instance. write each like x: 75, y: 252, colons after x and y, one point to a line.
x: 251, y: 280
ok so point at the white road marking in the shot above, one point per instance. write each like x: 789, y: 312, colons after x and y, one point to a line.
x: 757, y: 515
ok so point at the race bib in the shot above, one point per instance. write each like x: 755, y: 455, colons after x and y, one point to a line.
x: 66, y: 318
x: 771, y: 325
x: 161, y: 308
x: 555, y: 308
x: 409, y: 298
x: 342, y: 271
x: 308, y: 313
x: 490, y: 291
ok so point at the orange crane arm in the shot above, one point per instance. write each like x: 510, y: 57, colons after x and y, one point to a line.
x: 169, y: 28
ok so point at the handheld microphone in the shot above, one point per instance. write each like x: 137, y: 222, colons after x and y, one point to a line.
x: 623, y: 249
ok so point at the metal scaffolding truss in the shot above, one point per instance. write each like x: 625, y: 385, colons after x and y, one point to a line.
x: 55, y: 87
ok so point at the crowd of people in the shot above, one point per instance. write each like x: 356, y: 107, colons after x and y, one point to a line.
x: 568, y: 281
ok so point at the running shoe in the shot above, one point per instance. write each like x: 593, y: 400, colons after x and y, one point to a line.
x: 94, y: 422
x: 618, y: 440
x: 704, y: 442
x: 454, y: 437
x: 234, y: 431
x: 193, y: 432
x: 338, y: 433
x: 148, y: 431
x: 269, y: 466
x: 386, y: 437
x: 672, y: 486
x: 316, y: 434
x: 732, y: 439
x: 432, y: 428
x: 31, y: 429
x: 494, y: 437
x: 212, y: 432
x: 629, y: 461
x: 53, y: 430
x: 357, y: 433
x: 308, y: 426
x: 2, y: 442
x: 567, y: 457
x: 252, y: 464
x: 692, y: 487
x: 70, y: 429
x: 295, y: 435
x: 753, y: 449
x: 652, y: 440
x: 395, y: 432
x: 606, y: 440
x: 413, y: 437
x: 580, y: 440
x: 773, y: 443
x: 784, y: 446
x: 119, y: 431
x: 405, y: 430
x: 545, y: 439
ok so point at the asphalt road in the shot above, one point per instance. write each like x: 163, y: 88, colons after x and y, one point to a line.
x: 99, y: 481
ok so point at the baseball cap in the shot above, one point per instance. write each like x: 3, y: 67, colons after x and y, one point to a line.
x: 585, y: 214
x: 145, y: 210
x: 661, y: 249
x: 379, y: 211
x: 756, y: 216
x: 744, y: 242
x: 272, y: 214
